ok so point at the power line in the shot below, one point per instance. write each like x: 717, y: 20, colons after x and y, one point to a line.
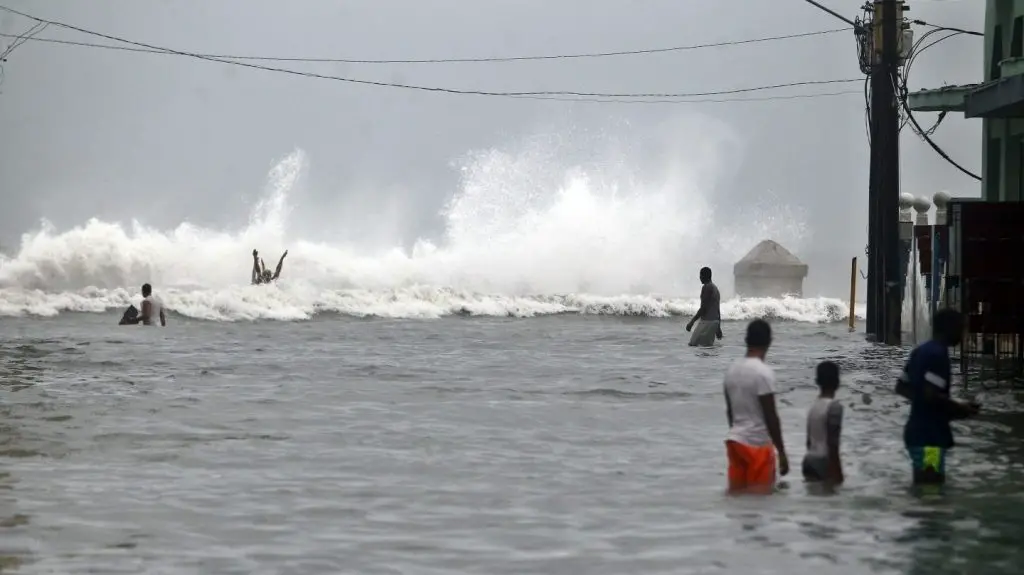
x: 947, y: 28
x: 20, y: 39
x: 832, y: 13
x: 413, y: 86
x: 921, y: 132
x: 916, y: 50
x: 903, y: 91
x: 448, y: 60
x: 694, y: 101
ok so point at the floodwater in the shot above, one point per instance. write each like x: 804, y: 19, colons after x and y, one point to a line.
x: 563, y: 444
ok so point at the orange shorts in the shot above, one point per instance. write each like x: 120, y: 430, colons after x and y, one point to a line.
x: 751, y: 468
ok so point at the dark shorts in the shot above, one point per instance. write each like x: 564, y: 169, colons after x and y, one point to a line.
x: 814, y: 469
x: 928, y: 459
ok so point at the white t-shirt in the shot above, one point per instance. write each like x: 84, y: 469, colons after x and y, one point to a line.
x: 826, y: 414
x: 747, y: 380
x: 156, y: 306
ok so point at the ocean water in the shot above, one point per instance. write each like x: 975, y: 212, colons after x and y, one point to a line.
x: 515, y: 396
x: 561, y: 444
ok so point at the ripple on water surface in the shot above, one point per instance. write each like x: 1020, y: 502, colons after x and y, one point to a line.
x: 554, y: 445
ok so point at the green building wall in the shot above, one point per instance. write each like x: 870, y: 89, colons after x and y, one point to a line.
x: 1003, y: 139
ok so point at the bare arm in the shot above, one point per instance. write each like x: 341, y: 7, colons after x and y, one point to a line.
x: 705, y: 295
x: 930, y: 394
x: 255, y: 267
x: 728, y: 408
x: 834, y: 419
x: 771, y: 419
x: 280, y: 264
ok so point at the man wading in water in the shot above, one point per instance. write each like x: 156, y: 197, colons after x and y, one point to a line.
x: 925, y: 381
x: 709, y: 314
x: 754, y: 430
x: 152, y: 309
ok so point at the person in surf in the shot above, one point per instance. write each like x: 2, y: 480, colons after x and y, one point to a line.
x: 260, y: 273
x: 709, y: 315
x: 152, y: 309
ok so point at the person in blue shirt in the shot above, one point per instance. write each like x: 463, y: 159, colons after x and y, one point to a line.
x: 925, y: 381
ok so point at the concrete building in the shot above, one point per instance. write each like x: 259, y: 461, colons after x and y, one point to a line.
x: 769, y: 270
x: 979, y: 252
x: 998, y: 101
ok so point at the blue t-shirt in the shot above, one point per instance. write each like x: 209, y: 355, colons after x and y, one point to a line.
x: 928, y: 424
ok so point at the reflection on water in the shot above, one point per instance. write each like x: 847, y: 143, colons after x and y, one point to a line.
x: 973, y: 524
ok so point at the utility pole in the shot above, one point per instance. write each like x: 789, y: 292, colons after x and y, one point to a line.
x: 884, y: 295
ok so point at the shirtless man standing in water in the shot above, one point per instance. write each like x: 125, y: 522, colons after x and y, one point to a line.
x: 709, y: 314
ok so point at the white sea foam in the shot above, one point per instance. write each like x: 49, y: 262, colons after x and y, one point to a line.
x: 522, y: 239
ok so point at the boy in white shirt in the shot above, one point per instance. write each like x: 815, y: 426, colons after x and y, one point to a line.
x: 824, y: 426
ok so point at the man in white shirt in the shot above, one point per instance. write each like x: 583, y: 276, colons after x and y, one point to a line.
x: 754, y: 430
x: 152, y: 308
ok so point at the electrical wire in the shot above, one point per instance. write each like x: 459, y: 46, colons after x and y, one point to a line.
x: 916, y: 50
x: 920, y: 131
x: 867, y: 107
x: 948, y: 28
x: 833, y: 13
x: 645, y: 51
x: 18, y: 41
x: 694, y: 101
x: 902, y: 91
x: 909, y: 64
x: 418, y: 87
x: 946, y: 37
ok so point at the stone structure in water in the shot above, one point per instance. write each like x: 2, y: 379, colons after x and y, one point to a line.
x: 769, y: 270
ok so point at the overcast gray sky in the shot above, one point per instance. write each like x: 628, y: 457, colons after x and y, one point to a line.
x: 87, y: 132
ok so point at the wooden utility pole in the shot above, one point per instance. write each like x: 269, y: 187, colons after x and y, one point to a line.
x: 884, y: 295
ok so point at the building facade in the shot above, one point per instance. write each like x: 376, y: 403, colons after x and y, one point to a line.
x: 998, y: 101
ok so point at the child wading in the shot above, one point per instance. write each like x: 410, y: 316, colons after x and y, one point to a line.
x: 824, y: 426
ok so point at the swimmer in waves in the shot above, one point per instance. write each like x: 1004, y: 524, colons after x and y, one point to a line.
x: 152, y: 309
x: 260, y: 273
